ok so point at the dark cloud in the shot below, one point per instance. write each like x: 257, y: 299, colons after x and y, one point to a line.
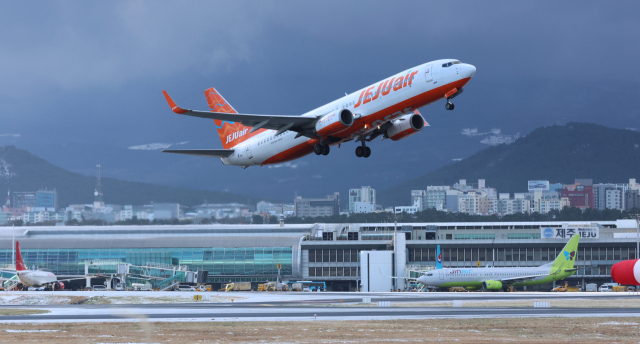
x: 92, y: 72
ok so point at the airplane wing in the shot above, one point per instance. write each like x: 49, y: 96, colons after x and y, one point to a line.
x: 274, y: 122
x: 213, y: 153
x: 518, y: 279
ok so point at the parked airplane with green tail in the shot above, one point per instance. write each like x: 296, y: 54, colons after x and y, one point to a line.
x: 491, y: 278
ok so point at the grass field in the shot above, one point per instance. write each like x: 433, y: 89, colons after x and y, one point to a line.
x: 13, y: 311
x: 504, y: 330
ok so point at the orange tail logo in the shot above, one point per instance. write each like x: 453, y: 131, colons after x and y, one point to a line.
x: 231, y: 133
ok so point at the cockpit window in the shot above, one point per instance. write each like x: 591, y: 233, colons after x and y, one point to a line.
x: 449, y: 64
x: 429, y: 274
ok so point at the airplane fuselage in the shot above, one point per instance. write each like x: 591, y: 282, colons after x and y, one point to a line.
x: 474, y: 277
x: 36, y: 278
x: 372, y: 106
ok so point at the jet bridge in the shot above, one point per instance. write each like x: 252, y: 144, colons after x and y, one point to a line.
x: 159, y: 275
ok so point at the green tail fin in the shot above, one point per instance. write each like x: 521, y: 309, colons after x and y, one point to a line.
x: 567, y: 256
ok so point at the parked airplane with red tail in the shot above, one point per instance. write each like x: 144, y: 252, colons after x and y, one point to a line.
x: 388, y: 108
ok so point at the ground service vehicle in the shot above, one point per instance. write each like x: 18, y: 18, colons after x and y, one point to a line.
x: 237, y: 286
x: 604, y: 288
x: 141, y: 286
x: 591, y: 287
x: 120, y: 286
x: 186, y: 287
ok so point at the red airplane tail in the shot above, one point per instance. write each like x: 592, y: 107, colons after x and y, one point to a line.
x: 19, y: 263
x: 231, y: 133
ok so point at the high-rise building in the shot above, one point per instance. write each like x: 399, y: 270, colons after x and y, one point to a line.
x: 609, y: 196
x: 437, y: 197
x: 314, y: 207
x: 47, y: 199
x: 580, y: 194
x: 362, y: 200
x: 419, y: 199
x: 23, y: 199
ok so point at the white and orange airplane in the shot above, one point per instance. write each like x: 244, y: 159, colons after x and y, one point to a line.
x: 387, y: 108
x: 35, y: 278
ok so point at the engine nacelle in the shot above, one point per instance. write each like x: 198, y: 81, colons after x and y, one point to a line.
x: 59, y: 285
x: 334, y: 122
x: 492, y: 285
x: 405, y: 126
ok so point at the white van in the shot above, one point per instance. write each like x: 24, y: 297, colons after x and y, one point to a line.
x: 186, y: 287
x: 605, y: 288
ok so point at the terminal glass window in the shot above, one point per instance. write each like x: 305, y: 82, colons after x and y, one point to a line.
x: 609, y: 253
x: 474, y: 254
x: 467, y: 254
x: 587, y: 253
x: 312, y: 256
x: 334, y: 255
x: 340, y: 256
x: 501, y: 255
x: 580, y: 254
x: 536, y: 254
x: 325, y: 255
x: 507, y: 255
x: 529, y: 254
x: 632, y: 253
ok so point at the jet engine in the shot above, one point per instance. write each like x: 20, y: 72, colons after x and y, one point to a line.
x: 334, y: 122
x: 405, y: 126
x: 492, y: 285
x: 59, y: 285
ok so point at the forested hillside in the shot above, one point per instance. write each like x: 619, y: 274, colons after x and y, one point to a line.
x: 23, y: 171
x: 557, y: 153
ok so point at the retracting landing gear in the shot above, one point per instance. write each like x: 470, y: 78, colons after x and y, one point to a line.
x: 321, y: 149
x: 363, y: 151
x: 449, y: 105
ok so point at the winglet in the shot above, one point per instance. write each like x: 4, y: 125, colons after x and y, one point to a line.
x: 175, y: 108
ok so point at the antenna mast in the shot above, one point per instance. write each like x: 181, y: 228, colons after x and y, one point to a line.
x: 98, y: 202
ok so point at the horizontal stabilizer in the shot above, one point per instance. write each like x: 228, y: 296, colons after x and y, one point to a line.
x: 213, y: 153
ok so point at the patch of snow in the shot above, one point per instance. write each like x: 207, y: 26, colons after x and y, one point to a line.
x: 29, y: 331
x: 152, y: 146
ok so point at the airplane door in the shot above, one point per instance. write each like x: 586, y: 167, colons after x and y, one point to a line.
x: 441, y: 275
x: 428, y: 74
x: 249, y: 155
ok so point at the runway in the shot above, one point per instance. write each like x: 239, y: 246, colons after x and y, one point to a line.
x: 336, y: 306
x: 333, y: 313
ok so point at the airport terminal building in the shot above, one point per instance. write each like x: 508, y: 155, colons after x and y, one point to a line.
x: 330, y: 253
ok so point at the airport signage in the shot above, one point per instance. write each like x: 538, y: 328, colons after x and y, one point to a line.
x: 563, y: 233
x: 538, y: 184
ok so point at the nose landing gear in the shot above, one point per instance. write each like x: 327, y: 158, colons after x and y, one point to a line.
x: 321, y: 149
x: 449, y: 105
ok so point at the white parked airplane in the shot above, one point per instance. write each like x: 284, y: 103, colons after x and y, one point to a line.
x: 35, y: 278
x: 387, y: 108
x: 500, y: 278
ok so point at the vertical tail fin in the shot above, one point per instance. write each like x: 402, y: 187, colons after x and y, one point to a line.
x: 567, y: 257
x: 438, y: 258
x: 231, y: 133
x: 19, y: 263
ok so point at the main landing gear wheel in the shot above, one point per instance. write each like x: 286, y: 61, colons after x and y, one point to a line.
x: 325, y: 149
x: 321, y: 148
x: 363, y: 151
x: 367, y: 152
x: 449, y: 106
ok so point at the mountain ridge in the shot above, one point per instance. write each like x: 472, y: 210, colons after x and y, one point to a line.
x: 558, y: 153
x: 22, y: 171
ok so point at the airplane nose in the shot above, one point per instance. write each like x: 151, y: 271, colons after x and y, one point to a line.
x: 469, y: 70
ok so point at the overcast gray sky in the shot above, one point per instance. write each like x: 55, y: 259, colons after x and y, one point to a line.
x: 93, y: 72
